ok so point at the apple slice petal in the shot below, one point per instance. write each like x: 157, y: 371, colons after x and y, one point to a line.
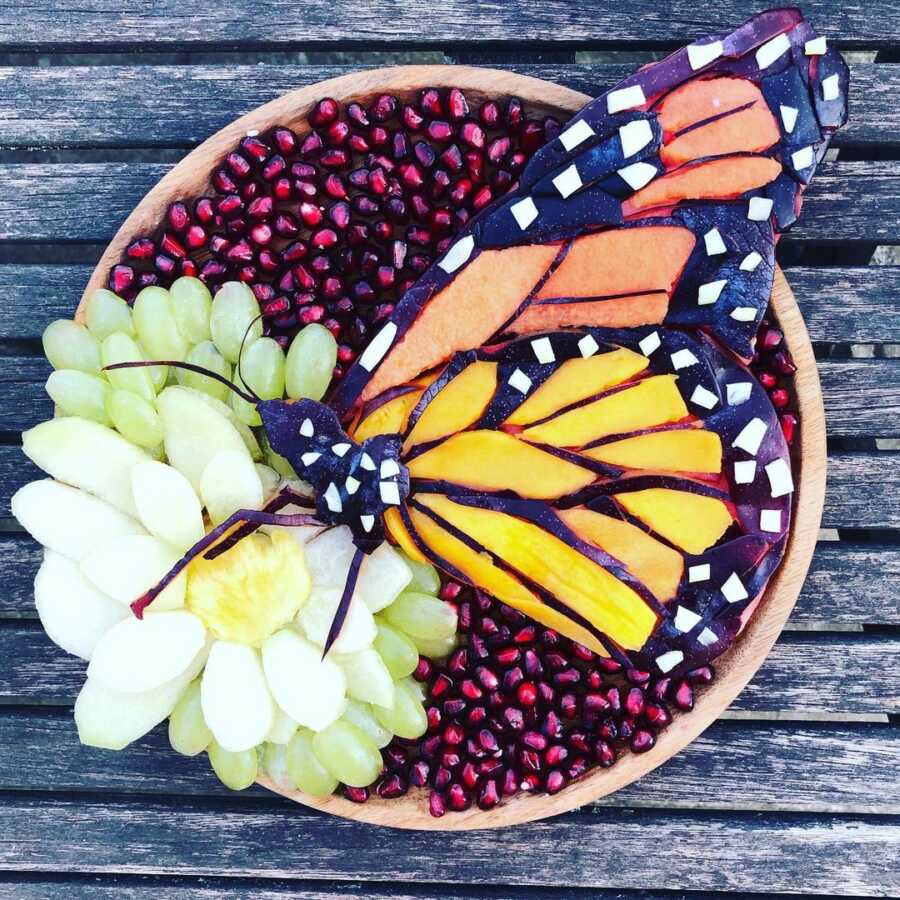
x: 236, y: 701
x: 283, y: 727
x: 68, y: 520
x: 368, y: 678
x: 139, y: 655
x: 74, y: 613
x: 316, y: 616
x: 167, y: 504
x: 328, y: 557
x: 230, y: 482
x: 308, y: 688
x: 383, y: 576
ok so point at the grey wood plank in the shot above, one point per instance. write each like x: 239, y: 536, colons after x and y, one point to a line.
x: 86, y: 202
x: 806, y: 674
x: 641, y: 849
x: 734, y: 765
x: 99, y: 23
x: 843, y: 304
x: 173, y: 106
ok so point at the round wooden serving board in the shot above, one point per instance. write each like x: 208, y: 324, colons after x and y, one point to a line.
x: 738, y: 665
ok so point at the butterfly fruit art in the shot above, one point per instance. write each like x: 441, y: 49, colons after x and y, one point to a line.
x: 557, y: 417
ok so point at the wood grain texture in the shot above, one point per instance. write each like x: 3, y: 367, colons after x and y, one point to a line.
x: 78, y: 202
x: 606, y: 848
x: 319, y: 23
x: 179, y: 106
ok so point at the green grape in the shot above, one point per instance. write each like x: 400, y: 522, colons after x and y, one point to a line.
x: 118, y: 348
x: 69, y: 345
x: 406, y: 717
x: 134, y: 418
x: 188, y: 732
x: 361, y: 715
x: 106, y: 313
x: 233, y: 309
x: 348, y: 753
x: 206, y: 356
x: 425, y: 578
x: 396, y: 650
x: 191, y: 304
x: 79, y: 394
x: 274, y: 763
x: 277, y: 462
x: 262, y: 368
x: 435, y: 648
x: 235, y: 770
x: 311, y: 360
x: 421, y: 615
x: 304, y: 767
x: 155, y: 324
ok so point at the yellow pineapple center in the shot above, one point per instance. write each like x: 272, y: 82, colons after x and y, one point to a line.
x: 251, y: 590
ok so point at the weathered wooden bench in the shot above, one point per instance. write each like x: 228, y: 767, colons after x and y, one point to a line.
x: 796, y: 790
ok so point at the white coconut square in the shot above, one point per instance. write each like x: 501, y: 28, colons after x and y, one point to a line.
x: 568, y: 181
x: 751, y: 436
x: 698, y: 573
x: 635, y: 136
x: 734, y: 590
x: 520, y: 381
x: 803, y: 158
x: 686, y: 619
x: 816, y: 47
x: 751, y: 261
x: 367, y: 522
x: 309, y: 458
x: 789, y: 117
x: 367, y: 462
x: 351, y: 485
x: 625, y: 98
x: 340, y: 449
x: 576, y: 134
x: 703, y: 397
x: 457, y: 254
x: 708, y: 293
x: 638, y: 174
x: 390, y: 493
x: 306, y: 428
x: 770, y: 520
x: 333, y: 498
x: 780, y: 479
x: 543, y: 350
x: 588, y: 346
x: 738, y: 392
x: 668, y: 661
x: 706, y: 637
x: 524, y: 212
x: 378, y: 346
x: 714, y: 243
x: 683, y: 358
x: 831, y: 88
x: 745, y: 471
x: 389, y: 468
x: 744, y: 313
x: 760, y: 209
x: 771, y: 50
x: 700, y: 55
x: 650, y: 344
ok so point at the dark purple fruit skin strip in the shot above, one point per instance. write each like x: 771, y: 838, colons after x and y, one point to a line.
x: 598, y: 204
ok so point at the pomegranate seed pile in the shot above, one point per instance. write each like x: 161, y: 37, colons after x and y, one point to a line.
x: 774, y: 368
x: 333, y: 227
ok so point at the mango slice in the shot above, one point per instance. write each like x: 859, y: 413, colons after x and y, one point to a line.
x: 586, y: 588
x: 389, y: 418
x: 655, y: 564
x: 693, y: 522
x: 578, y: 379
x: 456, y: 407
x: 652, y: 401
x: 397, y: 530
x: 496, y: 461
x: 677, y: 450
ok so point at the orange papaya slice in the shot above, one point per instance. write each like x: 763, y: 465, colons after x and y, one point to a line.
x: 751, y: 130
x: 700, y: 99
x: 622, y: 312
x: 676, y: 450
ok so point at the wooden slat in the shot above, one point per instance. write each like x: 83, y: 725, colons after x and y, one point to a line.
x: 175, y: 106
x: 99, y: 23
x: 849, y: 769
x: 849, y: 201
x: 805, y: 674
x: 608, y: 848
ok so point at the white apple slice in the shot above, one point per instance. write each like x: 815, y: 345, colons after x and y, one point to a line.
x: 139, y: 655
x: 68, y: 520
x: 167, y: 504
x: 237, y: 705
x: 126, y: 567
x: 269, y: 479
x: 368, y: 678
x: 194, y: 432
x: 316, y: 616
x: 112, y: 719
x: 283, y: 727
x: 328, y: 557
x: 88, y: 456
x: 243, y: 429
x: 74, y: 613
x: 382, y: 576
x: 230, y: 482
x: 309, y: 689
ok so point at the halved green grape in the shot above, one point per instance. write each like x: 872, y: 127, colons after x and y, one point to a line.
x: 262, y: 369
x: 421, y: 615
x: 308, y: 774
x: 134, y: 418
x: 425, y: 578
x: 69, y: 345
x: 311, y: 360
x: 155, y: 324
x: 188, y: 732
x: 406, y: 717
x: 235, y: 770
x: 191, y: 305
x: 348, y: 753
x: 233, y: 309
x: 435, y: 648
x: 397, y: 651
x: 79, y: 394
x: 362, y: 716
x: 206, y: 356
x: 107, y: 313
x: 117, y: 348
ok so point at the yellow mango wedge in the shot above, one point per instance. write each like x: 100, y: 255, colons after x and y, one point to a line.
x: 680, y: 450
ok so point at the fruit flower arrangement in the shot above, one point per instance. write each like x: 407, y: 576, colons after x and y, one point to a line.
x: 438, y: 447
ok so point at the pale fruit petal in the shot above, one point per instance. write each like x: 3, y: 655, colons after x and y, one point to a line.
x: 368, y: 678
x: 230, y: 482
x: 283, y: 727
x: 357, y: 632
x: 308, y: 688
x: 236, y: 702
x: 74, y: 613
x: 244, y: 430
x: 86, y: 455
x: 269, y: 479
x: 126, y: 567
x: 167, y: 504
x: 67, y: 520
x: 112, y: 719
x: 138, y: 655
x: 328, y: 557
x: 382, y: 576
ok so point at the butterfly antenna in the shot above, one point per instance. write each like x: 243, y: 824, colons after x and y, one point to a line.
x: 190, y: 367
x: 241, y: 357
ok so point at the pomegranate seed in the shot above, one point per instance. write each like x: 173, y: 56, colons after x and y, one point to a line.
x: 253, y: 146
x: 701, y: 675
x: 514, y: 112
x: 783, y: 363
x: 636, y: 676
x: 325, y: 111
x: 458, y: 797
x: 634, y: 702
x: 789, y: 423
x: 454, y: 735
x: 412, y: 118
x: 487, y: 678
x: 164, y: 264
x: 657, y: 715
x: 441, y: 685
x: 683, y: 698
x: 604, y: 754
x: 488, y: 795
x: 482, y: 198
x: 439, y: 131
x: 142, y: 248
x: 312, y: 144
x: 358, y: 115
x: 469, y: 775
x: 643, y: 740
x: 512, y: 678
x: 531, y: 137
x: 430, y: 102
x: 238, y: 164
x: 527, y: 693
x: 339, y: 213
x: 661, y: 688
x: 276, y: 307
x: 384, y: 108
x: 477, y: 714
x: 472, y: 134
x: 551, y: 727
x: 514, y: 718
x: 770, y: 339
x: 356, y: 794
x: 534, y: 740
x: 556, y: 781
x: 274, y: 167
x: 261, y: 233
x: 568, y: 706
x: 436, y: 805
x: 223, y: 182
x: 391, y: 786
x: 337, y: 133
x: 418, y: 773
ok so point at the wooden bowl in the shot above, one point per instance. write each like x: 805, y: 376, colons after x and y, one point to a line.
x: 738, y: 665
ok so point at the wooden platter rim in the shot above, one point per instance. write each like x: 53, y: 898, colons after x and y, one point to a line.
x: 190, y: 177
